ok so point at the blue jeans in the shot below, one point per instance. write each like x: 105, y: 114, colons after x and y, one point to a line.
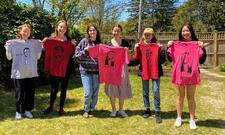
x: 155, y: 91
x: 91, y: 87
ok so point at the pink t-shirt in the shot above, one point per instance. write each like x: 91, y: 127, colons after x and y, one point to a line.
x: 148, y: 54
x: 185, y: 59
x: 110, y: 62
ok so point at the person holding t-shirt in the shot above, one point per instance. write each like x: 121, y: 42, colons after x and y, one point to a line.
x: 186, y: 53
x: 123, y: 91
x: 89, y: 70
x: 150, y: 55
x: 58, y: 53
x: 24, y: 53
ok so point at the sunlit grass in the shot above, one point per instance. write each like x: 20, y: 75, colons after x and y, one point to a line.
x: 210, y: 112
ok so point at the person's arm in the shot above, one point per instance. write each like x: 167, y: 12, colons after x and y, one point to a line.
x: 8, y: 55
x: 202, y: 59
x: 167, y: 52
x: 81, y: 49
x: 162, y: 56
x: 8, y: 50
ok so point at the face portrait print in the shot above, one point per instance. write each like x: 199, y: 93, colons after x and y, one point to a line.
x: 110, y: 59
x: 26, y: 54
x: 58, y: 53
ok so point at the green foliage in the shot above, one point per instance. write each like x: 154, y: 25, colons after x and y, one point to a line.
x: 156, y: 14
x: 222, y: 67
x: 204, y: 15
x: 12, y: 15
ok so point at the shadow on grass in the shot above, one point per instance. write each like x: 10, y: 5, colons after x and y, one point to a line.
x: 215, y: 123
x: 8, y: 108
x: 54, y: 114
x: 74, y: 82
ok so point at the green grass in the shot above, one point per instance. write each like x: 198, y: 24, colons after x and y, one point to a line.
x: 210, y: 111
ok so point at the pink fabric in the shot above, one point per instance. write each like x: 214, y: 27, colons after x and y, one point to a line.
x: 148, y: 55
x: 110, y: 62
x: 185, y: 59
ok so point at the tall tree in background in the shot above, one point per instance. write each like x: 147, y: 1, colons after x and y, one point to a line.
x: 204, y: 15
x: 155, y: 13
x: 39, y: 3
x: 102, y: 13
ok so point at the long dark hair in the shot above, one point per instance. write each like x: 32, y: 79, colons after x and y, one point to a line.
x: 98, y: 36
x: 191, y: 29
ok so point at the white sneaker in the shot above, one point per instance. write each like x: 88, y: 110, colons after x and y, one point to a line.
x: 178, y: 122
x: 122, y: 113
x: 113, y: 113
x: 192, y: 124
x: 28, y: 114
x: 18, y: 116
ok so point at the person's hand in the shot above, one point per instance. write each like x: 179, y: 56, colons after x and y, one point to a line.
x: 207, y: 44
x: 8, y: 41
x: 159, y: 44
x: 86, y: 48
x: 169, y: 43
x: 44, y: 39
x: 136, y: 45
x: 200, y: 44
x: 126, y: 48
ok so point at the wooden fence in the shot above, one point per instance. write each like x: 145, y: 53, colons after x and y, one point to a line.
x: 215, y: 49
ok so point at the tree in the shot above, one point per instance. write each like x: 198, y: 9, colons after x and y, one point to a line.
x: 12, y: 15
x: 103, y: 13
x: 155, y: 13
x: 204, y: 15
x: 39, y: 3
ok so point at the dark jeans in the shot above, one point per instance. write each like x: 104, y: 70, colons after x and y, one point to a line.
x: 25, y: 90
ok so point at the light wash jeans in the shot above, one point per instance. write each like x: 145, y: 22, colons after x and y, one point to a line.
x: 155, y: 91
x: 91, y: 88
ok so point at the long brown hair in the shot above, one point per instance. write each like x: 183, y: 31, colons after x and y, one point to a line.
x: 98, y: 36
x: 67, y: 29
x: 21, y: 27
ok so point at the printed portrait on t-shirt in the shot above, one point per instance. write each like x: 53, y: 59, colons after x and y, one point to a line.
x: 26, y: 54
x: 110, y: 59
x: 58, y: 53
x: 186, y: 65
x: 147, y: 54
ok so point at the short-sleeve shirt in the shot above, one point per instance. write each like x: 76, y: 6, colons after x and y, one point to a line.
x: 24, y: 57
x: 57, y: 56
x: 110, y: 61
x: 185, y: 58
x: 148, y: 55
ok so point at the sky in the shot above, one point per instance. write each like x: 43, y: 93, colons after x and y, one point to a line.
x: 124, y: 14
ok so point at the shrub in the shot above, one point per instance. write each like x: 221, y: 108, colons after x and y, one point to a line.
x: 222, y: 67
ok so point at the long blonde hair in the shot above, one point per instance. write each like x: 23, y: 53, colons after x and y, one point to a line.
x: 56, y: 32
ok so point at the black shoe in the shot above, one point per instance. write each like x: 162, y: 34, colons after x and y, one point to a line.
x: 158, y: 118
x: 147, y: 113
x: 47, y: 111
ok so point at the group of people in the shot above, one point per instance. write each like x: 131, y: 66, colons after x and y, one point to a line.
x: 105, y: 63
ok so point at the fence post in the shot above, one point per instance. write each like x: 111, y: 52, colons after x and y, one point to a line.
x: 215, y: 37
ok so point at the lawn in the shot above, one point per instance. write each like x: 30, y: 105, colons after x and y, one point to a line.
x: 210, y: 113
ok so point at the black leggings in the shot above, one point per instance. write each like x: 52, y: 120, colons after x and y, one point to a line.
x: 55, y: 82
x: 25, y: 90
